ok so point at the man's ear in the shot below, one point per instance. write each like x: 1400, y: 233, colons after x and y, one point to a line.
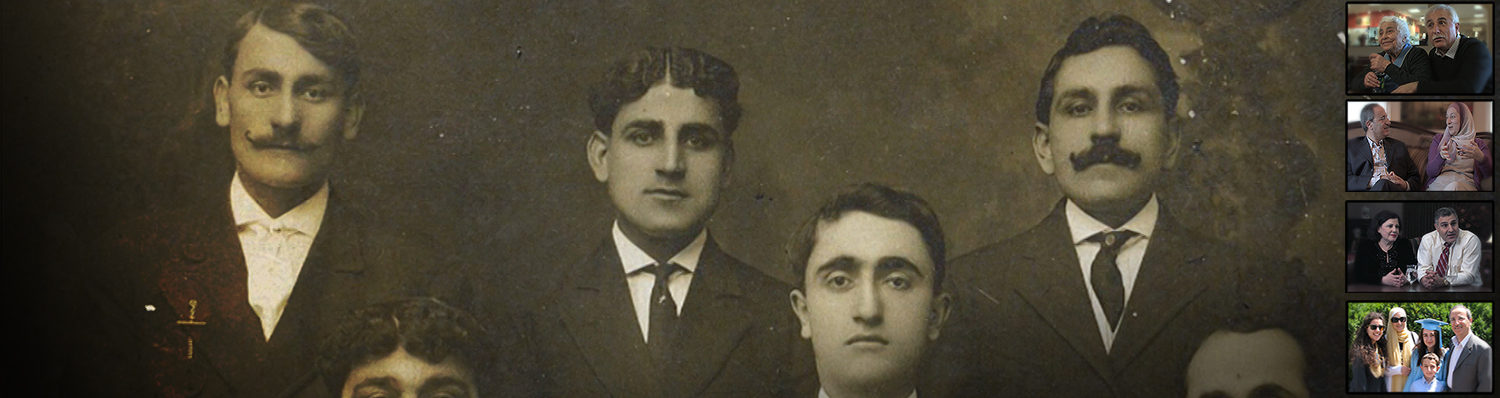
x: 941, y: 306
x: 799, y: 306
x: 1041, y: 145
x: 221, y: 101
x: 353, y: 113
x: 598, y: 146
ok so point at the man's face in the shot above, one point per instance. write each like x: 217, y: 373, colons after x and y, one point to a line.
x: 869, y: 306
x: 1379, y: 124
x: 1231, y: 364
x: 286, y: 111
x: 403, y: 375
x: 665, y: 161
x: 1442, y: 31
x: 1459, y: 320
x: 1108, y: 138
x: 1447, y: 227
x: 1388, y: 37
x: 1429, y: 368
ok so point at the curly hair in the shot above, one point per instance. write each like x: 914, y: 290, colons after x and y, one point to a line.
x: 630, y: 78
x: 425, y: 327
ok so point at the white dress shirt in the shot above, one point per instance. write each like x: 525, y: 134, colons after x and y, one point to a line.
x: 1463, y: 257
x: 634, y: 259
x: 1458, y: 349
x: 1083, y: 226
x: 274, y: 248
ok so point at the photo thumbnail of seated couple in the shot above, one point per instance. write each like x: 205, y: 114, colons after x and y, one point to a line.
x: 1419, y: 48
x: 1411, y: 146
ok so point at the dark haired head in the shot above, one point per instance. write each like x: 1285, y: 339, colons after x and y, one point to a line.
x: 629, y: 79
x: 426, y: 328
x: 317, y: 29
x: 1114, y: 30
x: 1364, y: 348
x: 881, y: 201
x: 1380, y: 219
x: 1443, y: 212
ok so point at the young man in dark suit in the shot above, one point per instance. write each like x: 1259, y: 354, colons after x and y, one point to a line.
x: 227, y: 294
x: 1108, y: 294
x: 1377, y: 162
x: 659, y: 310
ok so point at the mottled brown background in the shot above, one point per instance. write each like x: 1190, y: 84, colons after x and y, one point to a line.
x: 477, y: 121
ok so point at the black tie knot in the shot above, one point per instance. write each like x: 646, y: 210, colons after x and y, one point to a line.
x: 1112, y: 241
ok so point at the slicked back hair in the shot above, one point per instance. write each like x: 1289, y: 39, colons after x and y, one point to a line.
x: 316, y: 28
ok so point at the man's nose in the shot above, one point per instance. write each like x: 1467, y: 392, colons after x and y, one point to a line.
x: 286, y: 114
x: 869, y: 310
x: 671, y: 163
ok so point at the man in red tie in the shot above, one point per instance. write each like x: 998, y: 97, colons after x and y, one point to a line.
x: 1448, y: 256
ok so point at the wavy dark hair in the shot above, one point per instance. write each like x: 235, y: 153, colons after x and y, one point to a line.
x: 426, y: 327
x: 316, y: 28
x: 1422, y: 345
x: 1366, y: 349
x: 629, y: 79
x: 1379, y: 219
x: 882, y: 201
x: 1111, y: 30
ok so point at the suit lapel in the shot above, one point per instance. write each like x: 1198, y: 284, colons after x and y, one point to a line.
x: 337, y: 253
x: 1169, y: 279
x: 1053, y: 286
x: 712, y: 324
x: 208, y: 269
x: 596, y: 309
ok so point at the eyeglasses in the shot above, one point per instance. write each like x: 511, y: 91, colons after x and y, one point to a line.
x: 1398, y: 319
x: 1377, y: 327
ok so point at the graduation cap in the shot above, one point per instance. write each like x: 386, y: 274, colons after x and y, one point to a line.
x: 1432, y: 324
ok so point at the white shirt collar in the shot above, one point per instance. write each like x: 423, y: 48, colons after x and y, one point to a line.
x: 824, y: 393
x: 1083, y: 226
x: 1459, y: 344
x: 633, y: 258
x: 306, y: 218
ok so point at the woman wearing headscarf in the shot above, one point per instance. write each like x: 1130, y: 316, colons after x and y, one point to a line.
x: 1457, y: 160
x: 1383, y: 260
x: 1431, y: 342
x: 1365, y: 361
x: 1399, y: 344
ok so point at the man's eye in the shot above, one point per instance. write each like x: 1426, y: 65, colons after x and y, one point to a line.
x: 899, y: 282
x: 1131, y: 107
x: 261, y: 88
x: 700, y: 142
x: 839, y: 281
x: 640, y: 137
x: 1079, y: 110
x: 315, y: 94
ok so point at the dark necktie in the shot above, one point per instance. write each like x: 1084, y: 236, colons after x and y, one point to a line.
x: 1104, y: 274
x: 1442, y: 266
x: 663, y: 326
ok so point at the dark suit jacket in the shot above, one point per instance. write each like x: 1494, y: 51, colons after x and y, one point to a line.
x: 1474, y: 368
x: 1470, y: 71
x: 1024, y: 325
x: 1360, y: 165
x: 163, y: 262
x: 739, y: 337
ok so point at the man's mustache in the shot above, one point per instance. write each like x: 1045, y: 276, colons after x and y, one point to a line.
x: 1105, y: 151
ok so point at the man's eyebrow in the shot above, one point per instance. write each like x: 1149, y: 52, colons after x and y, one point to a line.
x: 893, y: 263
x: 436, y: 383
x: 387, y: 382
x: 261, y: 74
x: 313, y: 80
x: 840, y: 263
x: 1077, y: 93
x: 700, y: 128
x: 654, y: 125
x: 1130, y: 90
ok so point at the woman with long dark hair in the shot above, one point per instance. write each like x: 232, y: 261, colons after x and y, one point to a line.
x: 1365, y: 360
x: 1383, y: 260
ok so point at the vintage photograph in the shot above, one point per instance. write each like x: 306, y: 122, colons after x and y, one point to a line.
x: 962, y: 198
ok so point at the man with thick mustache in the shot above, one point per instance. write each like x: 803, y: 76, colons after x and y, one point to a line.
x: 1396, y: 63
x: 1460, y: 65
x: 1448, y: 256
x: 228, y: 293
x: 1108, y: 293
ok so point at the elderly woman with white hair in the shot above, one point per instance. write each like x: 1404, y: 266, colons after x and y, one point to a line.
x: 1398, y: 62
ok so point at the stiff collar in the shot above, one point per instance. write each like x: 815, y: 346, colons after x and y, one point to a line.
x: 306, y: 218
x: 1083, y: 226
x: 1460, y: 343
x: 633, y: 258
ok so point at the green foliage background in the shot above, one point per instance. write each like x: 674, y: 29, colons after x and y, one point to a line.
x: 1484, y: 321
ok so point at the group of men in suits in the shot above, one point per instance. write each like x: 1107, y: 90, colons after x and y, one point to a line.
x: 229, y: 299
x: 1455, y: 65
